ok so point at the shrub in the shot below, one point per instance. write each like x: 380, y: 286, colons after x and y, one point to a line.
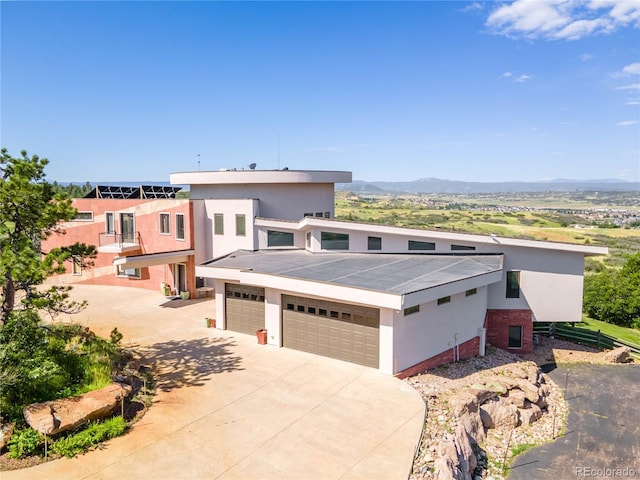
x: 24, y: 443
x: 95, y: 433
x: 41, y: 362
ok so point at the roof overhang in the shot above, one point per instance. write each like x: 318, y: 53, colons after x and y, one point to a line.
x: 151, y: 259
x: 230, y: 177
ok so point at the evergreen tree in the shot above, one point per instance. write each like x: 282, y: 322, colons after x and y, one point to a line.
x: 30, y: 211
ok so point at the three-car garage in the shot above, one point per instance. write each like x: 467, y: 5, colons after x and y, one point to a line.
x: 332, y: 329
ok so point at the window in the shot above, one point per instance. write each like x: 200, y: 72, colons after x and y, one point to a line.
x: 319, y: 215
x: 410, y: 310
x: 290, y: 306
x: 443, y: 300
x: 515, y: 336
x: 327, y: 214
x: 415, y: 245
x: 279, y: 239
x: 311, y: 310
x: 374, y: 243
x: 308, y: 239
x: 241, y: 228
x: 218, y: 224
x: 109, y: 223
x: 83, y: 217
x: 165, y: 224
x: 180, y: 226
x: 322, y: 312
x: 334, y: 241
x: 462, y: 247
x: 308, y: 214
x: 76, y: 266
x: 473, y: 291
x: 128, y: 272
x: 513, y: 284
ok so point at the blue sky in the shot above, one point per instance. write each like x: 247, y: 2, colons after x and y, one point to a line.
x: 479, y: 91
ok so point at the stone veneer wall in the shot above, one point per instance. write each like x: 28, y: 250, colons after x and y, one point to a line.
x: 468, y: 349
x: 497, y: 323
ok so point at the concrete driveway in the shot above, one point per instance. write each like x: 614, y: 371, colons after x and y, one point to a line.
x: 228, y: 408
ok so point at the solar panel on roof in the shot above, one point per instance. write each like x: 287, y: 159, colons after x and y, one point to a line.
x: 128, y: 192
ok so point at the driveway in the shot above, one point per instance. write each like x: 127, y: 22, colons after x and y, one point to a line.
x: 228, y: 408
x: 602, y: 439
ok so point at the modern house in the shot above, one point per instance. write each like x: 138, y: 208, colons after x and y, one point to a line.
x: 397, y: 299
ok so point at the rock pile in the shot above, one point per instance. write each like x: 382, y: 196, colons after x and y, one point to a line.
x: 474, y: 407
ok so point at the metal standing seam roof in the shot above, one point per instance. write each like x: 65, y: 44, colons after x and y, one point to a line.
x: 391, y: 273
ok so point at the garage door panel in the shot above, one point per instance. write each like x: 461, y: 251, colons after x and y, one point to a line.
x: 342, y: 331
x: 244, y: 309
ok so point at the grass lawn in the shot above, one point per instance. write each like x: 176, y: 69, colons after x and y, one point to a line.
x: 627, y: 334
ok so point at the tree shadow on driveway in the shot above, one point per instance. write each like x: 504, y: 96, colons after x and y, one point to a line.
x: 188, y: 363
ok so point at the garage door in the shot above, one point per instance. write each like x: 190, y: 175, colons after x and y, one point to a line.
x: 337, y: 330
x: 244, y: 308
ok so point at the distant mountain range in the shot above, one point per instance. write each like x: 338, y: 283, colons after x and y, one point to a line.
x: 438, y: 185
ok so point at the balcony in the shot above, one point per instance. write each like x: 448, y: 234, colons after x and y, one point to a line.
x: 111, y: 242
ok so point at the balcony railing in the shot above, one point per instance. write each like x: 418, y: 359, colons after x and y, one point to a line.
x: 118, y: 242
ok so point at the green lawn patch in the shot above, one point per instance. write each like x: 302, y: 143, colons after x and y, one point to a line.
x: 625, y: 334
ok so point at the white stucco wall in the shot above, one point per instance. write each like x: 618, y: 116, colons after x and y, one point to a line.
x: 221, y: 322
x: 551, y: 284
x: 219, y: 245
x: 436, y: 328
x: 278, y: 201
x: 272, y: 316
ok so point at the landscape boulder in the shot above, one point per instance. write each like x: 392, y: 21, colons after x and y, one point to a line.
x: 516, y: 397
x: 65, y: 414
x: 530, y: 414
x: 618, y: 355
x: 452, y: 463
x: 6, y: 430
x: 499, y: 412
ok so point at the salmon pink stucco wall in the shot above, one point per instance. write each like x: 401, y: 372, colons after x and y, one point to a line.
x: 146, y: 222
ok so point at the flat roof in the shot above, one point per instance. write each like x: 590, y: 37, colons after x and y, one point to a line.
x: 400, y: 274
x: 231, y: 177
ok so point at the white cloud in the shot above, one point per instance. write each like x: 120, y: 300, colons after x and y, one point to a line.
x: 523, y: 78
x: 633, y: 102
x: 517, y: 78
x: 473, y: 7
x: 627, y: 123
x: 563, y: 19
x: 632, y: 69
x: 585, y: 57
x: 633, y: 86
x: 628, y: 71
